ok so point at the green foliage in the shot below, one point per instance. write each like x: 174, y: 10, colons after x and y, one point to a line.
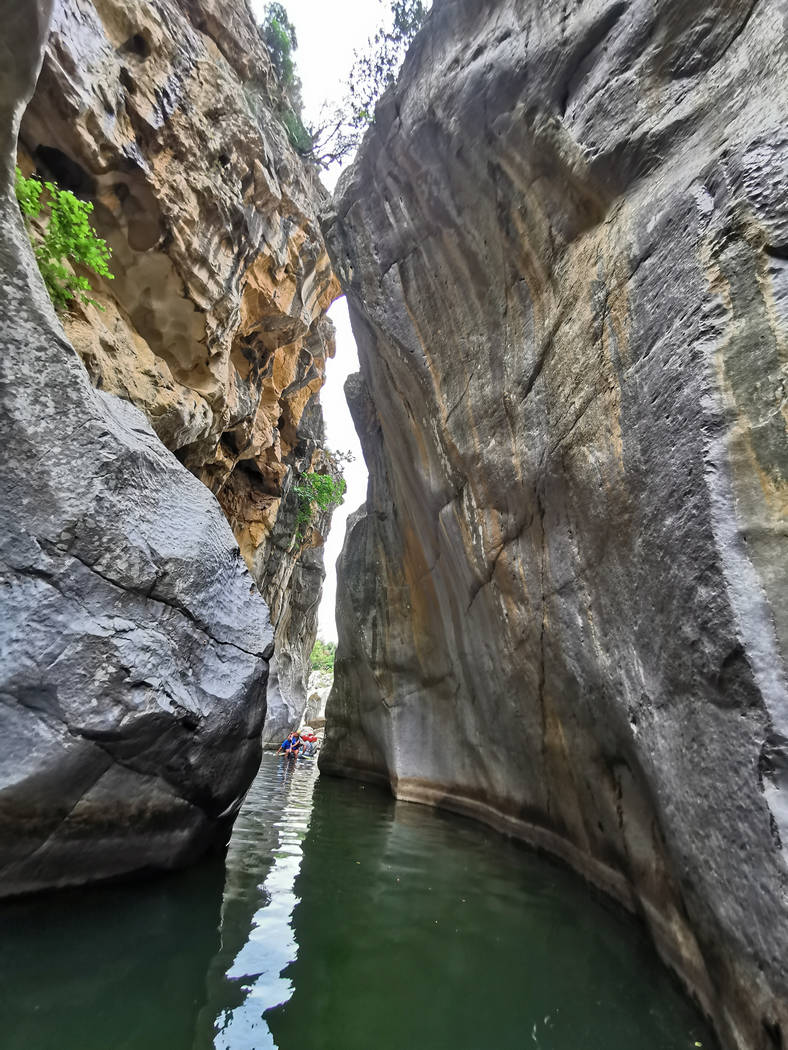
x: 375, y: 70
x: 316, y: 494
x: 322, y: 658
x: 372, y: 72
x: 300, y: 139
x: 338, y: 132
x: 280, y: 38
x: 68, y: 237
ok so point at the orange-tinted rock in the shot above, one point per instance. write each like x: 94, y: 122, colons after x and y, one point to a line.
x: 163, y: 116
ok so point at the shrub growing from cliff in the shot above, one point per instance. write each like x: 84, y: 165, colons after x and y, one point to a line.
x: 62, y: 238
x: 316, y: 494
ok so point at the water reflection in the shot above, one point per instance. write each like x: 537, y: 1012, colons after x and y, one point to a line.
x: 115, y: 968
x: 348, y: 924
x: 257, y: 938
x: 421, y: 930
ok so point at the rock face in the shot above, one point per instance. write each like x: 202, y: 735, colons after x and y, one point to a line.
x: 133, y: 641
x: 563, y: 609
x: 162, y: 114
x: 319, y: 692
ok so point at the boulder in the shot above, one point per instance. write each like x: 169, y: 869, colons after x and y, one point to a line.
x: 134, y: 641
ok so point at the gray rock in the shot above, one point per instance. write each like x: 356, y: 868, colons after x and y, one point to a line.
x: 291, y: 578
x: 134, y: 642
x: 315, y: 711
x: 564, y: 609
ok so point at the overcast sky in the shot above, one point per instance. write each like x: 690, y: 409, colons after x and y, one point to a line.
x: 328, y: 34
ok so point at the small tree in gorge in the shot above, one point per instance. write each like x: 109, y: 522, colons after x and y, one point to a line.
x: 316, y: 493
x: 280, y: 38
x: 323, y: 654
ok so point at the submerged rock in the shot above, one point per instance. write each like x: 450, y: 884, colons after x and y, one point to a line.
x: 134, y: 641
x: 563, y: 608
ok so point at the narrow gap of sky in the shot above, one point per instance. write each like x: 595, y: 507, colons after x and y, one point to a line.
x: 328, y: 35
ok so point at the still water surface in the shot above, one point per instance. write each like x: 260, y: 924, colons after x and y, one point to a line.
x: 340, y: 921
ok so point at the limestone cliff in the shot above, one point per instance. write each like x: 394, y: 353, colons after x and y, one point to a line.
x: 563, y: 609
x: 134, y: 644
x: 163, y: 114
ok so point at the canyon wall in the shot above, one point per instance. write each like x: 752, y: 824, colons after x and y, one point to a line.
x: 134, y: 644
x: 563, y: 608
x: 163, y: 114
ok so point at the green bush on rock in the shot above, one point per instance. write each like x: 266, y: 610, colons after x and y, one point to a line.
x: 67, y: 238
x: 316, y: 493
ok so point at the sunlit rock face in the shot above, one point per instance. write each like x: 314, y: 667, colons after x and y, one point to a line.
x: 162, y: 114
x: 134, y: 644
x: 563, y: 608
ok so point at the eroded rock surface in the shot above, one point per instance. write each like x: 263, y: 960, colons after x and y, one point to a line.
x: 163, y: 114
x: 133, y: 640
x: 564, y: 607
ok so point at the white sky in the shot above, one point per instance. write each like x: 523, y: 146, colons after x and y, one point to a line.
x: 328, y: 34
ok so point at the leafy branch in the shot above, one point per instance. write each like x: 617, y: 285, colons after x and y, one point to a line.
x: 317, y: 493
x: 67, y: 237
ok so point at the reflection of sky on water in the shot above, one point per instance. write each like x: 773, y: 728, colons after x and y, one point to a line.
x: 271, y: 944
x: 397, y: 928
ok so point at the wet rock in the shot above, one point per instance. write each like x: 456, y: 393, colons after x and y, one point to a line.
x: 563, y: 609
x: 134, y: 641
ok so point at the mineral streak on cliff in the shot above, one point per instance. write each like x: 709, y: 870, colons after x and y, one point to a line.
x: 134, y: 645
x: 162, y: 113
x: 563, y: 608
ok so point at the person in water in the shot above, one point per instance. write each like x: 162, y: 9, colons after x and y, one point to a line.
x: 290, y: 745
x: 310, y: 745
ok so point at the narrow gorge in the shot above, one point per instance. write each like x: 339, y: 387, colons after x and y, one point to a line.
x: 562, y: 610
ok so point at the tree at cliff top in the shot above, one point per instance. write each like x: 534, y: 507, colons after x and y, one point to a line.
x: 280, y: 38
x: 323, y: 654
x: 339, y: 133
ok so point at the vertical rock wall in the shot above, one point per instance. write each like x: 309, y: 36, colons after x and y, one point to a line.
x: 563, y: 608
x: 134, y: 644
x: 163, y: 114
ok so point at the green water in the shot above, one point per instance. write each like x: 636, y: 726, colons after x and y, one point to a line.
x: 341, y: 921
